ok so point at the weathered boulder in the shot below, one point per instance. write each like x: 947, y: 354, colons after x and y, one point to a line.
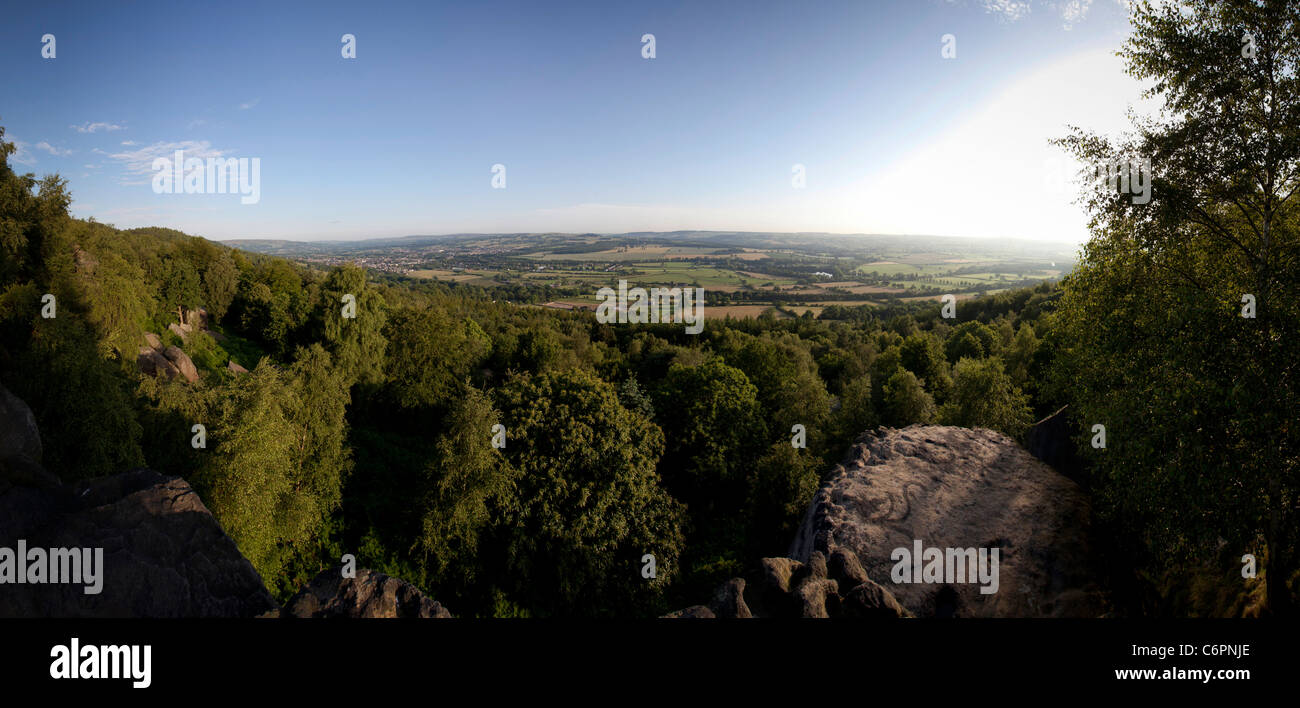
x: 729, y: 600
x: 182, y: 362
x: 770, y: 594
x: 370, y: 594
x: 869, y: 600
x: 958, y: 488
x: 196, y: 319
x: 19, y: 436
x: 818, y: 597
x: 236, y: 368
x: 784, y: 587
x: 153, y: 340
x: 179, y: 330
x: 153, y: 363
x: 164, y: 555
x: 86, y: 263
x: 844, y: 568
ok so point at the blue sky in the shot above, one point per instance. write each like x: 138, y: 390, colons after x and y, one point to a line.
x: 402, y: 139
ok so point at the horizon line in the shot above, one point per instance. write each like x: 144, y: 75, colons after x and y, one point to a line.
x: 626, y: 233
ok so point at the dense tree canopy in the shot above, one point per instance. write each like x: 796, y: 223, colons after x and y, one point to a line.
x: 1198, y: 399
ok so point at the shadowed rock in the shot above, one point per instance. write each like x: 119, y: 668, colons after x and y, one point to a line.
x: 845, y: 569
x: 153, y: 363
x: 871, y: 601
x: 164, y: 555
x: 370, y: 594
x: 783, y: 587
x: 770, y: 594
x: 18, y: 433
x: 729, y: 600
x: 692, y: 612
x: 818, y: 597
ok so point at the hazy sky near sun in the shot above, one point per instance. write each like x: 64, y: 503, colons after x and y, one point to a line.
x: 401, y: 140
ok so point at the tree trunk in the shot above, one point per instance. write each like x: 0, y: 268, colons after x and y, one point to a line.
x: 1277, y: 601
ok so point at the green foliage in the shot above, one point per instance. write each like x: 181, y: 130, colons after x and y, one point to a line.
x: 1198, y: 401
x: 785, y: 375
x: 82, y: 408
x: 906, y: 401
x: 1020, y: 356
x: 857, y: 412
x: 180, y: 286
x: 971, y: 340
x: 264, y: 315
x: 274, y: 462
x: 416, y: 338
x: 468, y: 486
x: 590, y: 503
x: 247, y: 475
x: 320, y: 399
x: 206, y: 354
x: 715, y: 429
x: 634, y: 397
x: 923, y: 355
x: 357, y: 343
x: 784, y: 482
x: 984, y: 396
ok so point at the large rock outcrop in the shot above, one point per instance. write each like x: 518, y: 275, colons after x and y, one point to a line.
x: 958, y: 488
x: 163, y: 553
x: 787, y: 588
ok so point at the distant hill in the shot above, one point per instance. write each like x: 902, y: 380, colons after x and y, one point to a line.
x: 808, y: 242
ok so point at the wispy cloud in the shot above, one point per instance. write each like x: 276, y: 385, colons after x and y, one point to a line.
x: 1074, y: 11
x: 1009, y: 10
x: 249, y: 104
x: 128, y: 142
x: 197, y: 122
x: 96, y: 127
x: 42, y: 145
x: 21, y: 154
x: 137, y: 164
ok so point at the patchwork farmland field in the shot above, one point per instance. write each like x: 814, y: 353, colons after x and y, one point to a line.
x: 743, y: 274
